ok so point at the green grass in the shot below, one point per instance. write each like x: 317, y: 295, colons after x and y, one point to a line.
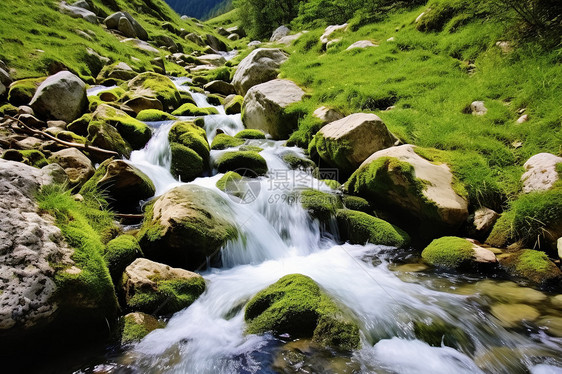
x: 430, y: 78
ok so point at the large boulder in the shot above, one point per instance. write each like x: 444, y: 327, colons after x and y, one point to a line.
x: 260, y: 66
x: 296, y: 306
x: 61, y: 96
x: 452, y: 253
x: 78, y: 12
x: 348, y: 142
x: 159, y: 289
x: 77, y: 166
x: 420, y: 195
x: 186, y: 226
x: 156, y: 86
x: 540, y: 172
x: 265, y: 107
x: 115, y: 22
x: 38, y: 269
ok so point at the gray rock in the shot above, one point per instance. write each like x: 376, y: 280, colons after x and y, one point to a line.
x: 24, y: 109
x: 254, y: 43
x: 325, y: 38
x: 327, y: 115
x: 126, y: 28
x: 478, y: 108
x: 236, y: 30
x: 362, y: 44
x: 215, y: 43
x: 279, y: 33
x: 540, y: 174
x: 212, y: 59
x: 82, y: 4
x: 112, y: 22
x: 260, y: 66
x: 77, y: 12
x: 3, y: 89
x: 194, y: 38
x: 95, y: 61
x: 265, y: 104
x: 220, y: 87
x: 142, y: 45
x: 221, y: 31
x: 484, y: 220
x: 77, y: 166
x: 61, y: 96
x: 233, y: 37
x: 289, y: 39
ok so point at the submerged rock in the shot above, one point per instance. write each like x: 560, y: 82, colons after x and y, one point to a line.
x: 296, y: 305
x: 260, y: 66
x: 159, y: 289
x: 61, y: 96
x: 511, y: 315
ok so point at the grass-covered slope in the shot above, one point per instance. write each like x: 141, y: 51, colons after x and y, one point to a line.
x: 34, y: 34
x: 431, y: 77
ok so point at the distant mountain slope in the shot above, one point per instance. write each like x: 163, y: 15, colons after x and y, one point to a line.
x: 201, y: 9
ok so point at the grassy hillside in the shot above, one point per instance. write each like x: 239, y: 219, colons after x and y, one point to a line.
x: 35, y: 34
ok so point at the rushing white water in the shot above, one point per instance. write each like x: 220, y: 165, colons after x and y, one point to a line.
x: 278, y: 237
x: 95, y: 90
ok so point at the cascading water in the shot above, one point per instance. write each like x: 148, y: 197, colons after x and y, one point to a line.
x: 278, y: 237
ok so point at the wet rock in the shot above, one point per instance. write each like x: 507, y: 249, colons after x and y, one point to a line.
x: 511, y: 315
x: 77, y: 166
x: 140, y: 103
x: 540, y: 172
x: 61, y: 96
x: 159, y: 289
x: 260, y: 66
x: 510, y: 292
x: 138, y: 325
x: 120, y: 253
x: 265, y: 107
x: 552, y: 324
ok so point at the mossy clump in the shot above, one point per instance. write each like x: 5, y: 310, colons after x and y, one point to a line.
x: 138, y: 325
x: 448, y: 252
x: 333, y: 184
x: 186, y: 98
x: 334, y: 152
x: 113, y: 95
x: 224, y: 141
x: 21, y: 92
x: 250, y: 134
x: 120, y: 253
x: 357, y: 203
x: 229, y: 182
x: 72, y: 137
x: 234, y: 106
x: 103, y: 135
x: 360, y: 228
x: 193, y: 110
x: 296, y: 162
x: 157, y: 86
x: 233, y: 161
x: 439, y: 333
x: 296, y: 305
x: 214, y: 99
x: 80, y: 126
x: 186, y: 163
x: 135, y: 132
x: 192, y: 136
x: 532, y: 265
x: 8, y: 110
x: 29, y: 157
x: 320, y: 205
x: 153, y: 115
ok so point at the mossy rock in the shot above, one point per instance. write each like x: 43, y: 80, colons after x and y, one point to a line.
x: 186, y: 163
x: 192, y: 136
x: 357, y: 203
x: 296, y: 305
x: 93, y: 103
x: 439, y: 333
x: 154, y: 115
x: 157, y: 86
x: 80, y: 125
x: 230, y: 183
x: 120, y: 253
x: 250, y: 134
x: 8, y: 110
x: 333, y: 184
x: 135, y: 132
x: 243, y: 160
x: 534, y: 266
x: 360, y: 228
x: 214, y: 99
x: 21, y: 92
x: 449, y: 252
x: 296, y: 162
x: 113, y: 95
x: 320, y: 205
x: 72, y: 137
x: 224, y: 141
x: 29, y: 157
x: 234, y: 106
x: 105, y: 136
x: 193, y: 110
x: 186, y: 98
x: 138, y: 325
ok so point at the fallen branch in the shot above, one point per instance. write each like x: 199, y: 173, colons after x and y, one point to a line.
x: 129, y: 216
x: 85, y: 147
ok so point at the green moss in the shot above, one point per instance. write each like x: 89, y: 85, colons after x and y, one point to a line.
x: 152, y: 115
x: 80, y: 125
x: 193, y: 110
x: 70, y: 136
x: 186, y: 163
x: 94, y: 102
x: 232, y: 161
x: 296, y: 162
x: 137, y: 325
x: 157, y: 86
x: 120, y: 253
x: 29, y: 157
x: 320, y: 205
x: 186, y: 98
x: 224, y: 141
x: 192, y: 136
x: 332, y: 183
x: 8, y: 109
x: 440, y: 333
x: 360, y: 228
x: 532, y: 265
x: 357, y: 203
x: 135, y: 132
x: 228, y: 181
x: 297, y: 306
x: 103, y: 135
x: 334, y: 152
x: 448, y: 252
x: 112, y: 95
x: 234, y: 106
x: 92, y: 183
x: 250, y: 134
x: 21, y: 92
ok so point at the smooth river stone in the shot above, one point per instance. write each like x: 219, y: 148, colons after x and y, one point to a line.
x: 510, y: 315
x: 510, y: 292
x: 553, y: 325
x: 410, y: 268
x: 556, y: 301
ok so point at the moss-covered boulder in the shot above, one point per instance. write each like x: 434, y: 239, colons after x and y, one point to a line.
x: 186, y: 226
x: 159, y: 289
x: 30, y: 157
x: 533, y: 266
x: 360, y: 228
x: 186, y: 163
x: 296, y: 162
x: 135, y: 132
x: 153, y: 115
x: 193, y: 110
x: 80, y: 125
x: 451, y: 252
x: 239, y: 160
x: 138, y: 325
x: 230, y: 183
x: 422, y: 196
x: 320, y: 205
x: 21, y: 92
x: 234, y: 106
x: 118, y: 71
x: 250, y: 134
x: 120, y: 253
x: 297, y: 306
x: 224, y: 141
x: 103, y: 135
x: 191, y: 136
x: 438, y: 333
x: 357, y: 203
x: 113, y: 95
x: 156, y: 86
